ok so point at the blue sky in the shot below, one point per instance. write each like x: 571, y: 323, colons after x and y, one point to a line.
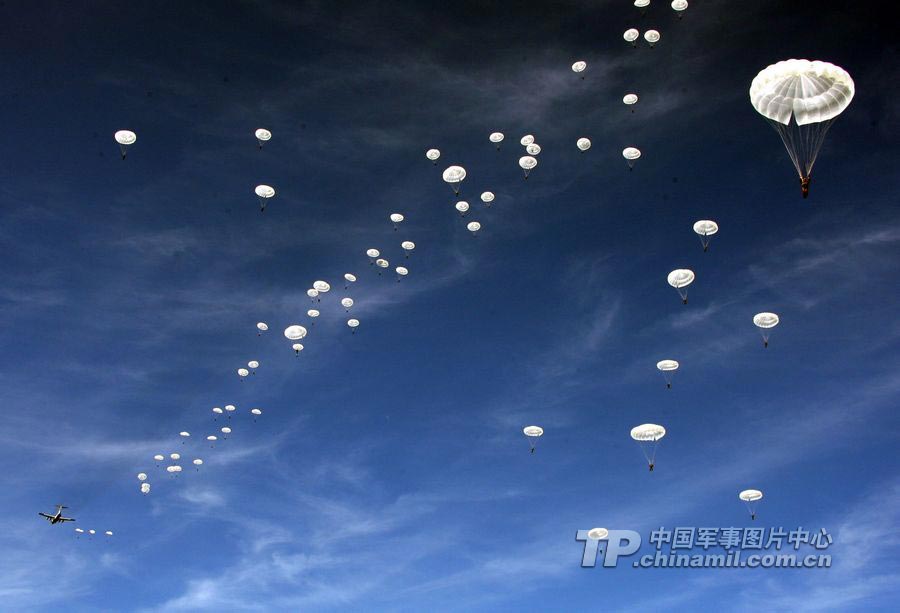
x: 389, y: 471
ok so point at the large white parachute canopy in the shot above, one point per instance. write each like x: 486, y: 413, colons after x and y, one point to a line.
x: 142, y: 476
x: 473, y: 227
x: 667, y: 368
x: 347, y: 303
x: 297, y: 347
x: 750, y: 498
x: 262, y: 136
x: 680, y: 278
x: 145, y: 488
x: 526, y: 140
x: 322, y: 287
x: 631, y: 35
x: 705, y: 228
x: 630, y: 100
x: 396, y: 218
x: 125, y: 138
x: 578, y: 67
x: 264, y: 193
x: 533, y: 149
x: 583, y: 144
x: 496, y: 138
x: 353, y: 324
x: 679, y: 6
x: 242, y: 372
x: 462, y: 206
x: 527, y: 163
x: 454, y: 176
x: 294, y: 332
x: 407, y: 247
x: 533, y: 433
x: 631, y: 155
x: 433, y: 155
x: 261, y: 327
x: 401, y: 271
x: 651, y: 36
x: 648, y: 437
x: 800, y: 99
x: 765, y: 322
x: 487, y: 197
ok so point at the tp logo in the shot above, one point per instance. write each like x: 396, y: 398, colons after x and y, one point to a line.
x: 617, y: 543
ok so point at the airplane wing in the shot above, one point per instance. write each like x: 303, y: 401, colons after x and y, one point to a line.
x: 45, y: 515
x: 66, y: 519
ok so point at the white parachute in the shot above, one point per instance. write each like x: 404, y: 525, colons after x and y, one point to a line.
x: 801, y: 99
x: 226, y: 430
x: 533, y: 433
x: 230, y: 408
x: 648, y: 437
x: 680, y: 278
x: 173, y: 469
x: 487, y: 197
x: 396, y: 218
x: 462, y: 206
x: 297, y: 347
x: 253, y: 364
x: 142, y: 476
x: 454, y: 176
x: 526, y: 140
x: 578, y: 67
x: 323, y: 287
x: 533, y: 149
x: 212, y: 437
x: 401, y: 271
x: 264, y: 193
x: 631, y: 35
x: 750, y: 498
x: 256, y: 411
x: 527, y: 163
x: 496, y: 138
x: 262, y: 136
x: 353, y: 324
x: 313, y: 313
x: 242, y: 372
x: 217, y: 410
x: 433, y: 155
x: 294, y: 332
x: 382, y: 263
x: 407, y: 247
x: 145, y: 488
x: 347, y: 303
x: 175, y: 456
x: 159, y: 457
x: 631, y: 155
x: 261, y: 327
x: 125, y: 138
x: 473, y: 227
x: 630, y: 100
x: 652, y: 37
x: 679, y: 6
x: 598, y: 534
x: 313, y: 294
x: 765, y: 322
x: 583, y: 144
x: 184, y: 434
x: 667, y: 368
x: 705, y: 228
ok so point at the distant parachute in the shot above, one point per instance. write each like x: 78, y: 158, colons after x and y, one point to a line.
x: 322, y: 287
x: 79, y: 530
x: 256, y: 411
x: 648, y: 437
x: 198, y: 462
x: 801, y: 99
x: 751, y: 497
x: 765, y: 322
x: 583, y: 144
x: 487, y: 197
x: 173, y: 469
x: 407, y: 247
x: 217, y: 410
x: 212, y: 437
x: 347, y: 303
x: 680, y: 278
x: 313, y: 294
x: 454, y: 176
x: 396, y: 218
x: 641, y: 4
x: 630, y: 100
x: 496, y: 138
x: 372, y: 253
x: 354, y: 324
x: 433, y: 155
x: 145, y: 488
x: 92, y: 532
x: 667, y: 368
x: 533, y: 433
x: 253, y: 364
x: 598, y: 534
x: 142, y: 476
x: 262, y: 136
x: 631, y: 35
x: 679, y: 6
x: 242, y: 372
x: 382, y: 263
x: 261, y: 327
x: 294, y: 332
x: 578, y: 68
x: 533, y: 149
x: 526, y: 140
x: 159, y: 457
x: 313, y: 314
x: 108, y: 533
x: 175, y: 456
x: 473, y: 227
x: 125, y: 138
x: 225, y: 430
x: 652, y: 37
x: 297, y: 347
x: 230, y: 408
x: 401, y: 271
x: 264, y: 193
x: 704, y: 229
x: 184, y: 434
x: 527, y: 163
x: 462, y: 206
x: 348, y: 279
x: 631, y: 154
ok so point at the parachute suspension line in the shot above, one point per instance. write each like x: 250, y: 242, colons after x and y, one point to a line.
x: 802, y: 142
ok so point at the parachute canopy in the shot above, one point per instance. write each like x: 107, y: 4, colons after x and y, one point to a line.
x: 630, y: 99
x: 312, y: 293
x: 346, y: 302
x: 184, y: 434
x: 373, y: 253
x: 322, y: 287
x: 648, y: 432
x: 297, y: 347
x: 212, y: 437
x: 382, y: 263
x: 454, y: 175
x: 217, y: 410
x: 681, y: 277
x: 496, y: 137
x: 294, y: 332
x: 402, y: 271
x: 262, y: 134
x: 679, y: 5
x: 651, y: 36
x: 226, y: 430
x: 526, y: 162
x: 159, y: 457
x: 433, y: 154
x: 229, y: 407
x: 125, y: 137
x: 264, y: 191
x: 350, y: 278
x: 198, y: 462
x: 462, y: 206
x: 408, y: 245
x: 526, y: 140
x: 579, y: 66
x: 262, y: 326
x: 667, y: 365
x: 313, y: 312
x: 533, y: 431
x: 256, y: 411
x: 631, y: 153
x: 473, y: 226
x: 766, y: 320
x: 807, y: 91
x: 242, y: 372
x: 145, y: 488
x: 583, y: 144
x: 142, y: 476
x: 706, y: 227
x: 175, y: 456
x: 353, y: 323
x: 598, y: 534
x: 253, y: 364
x: 750, y: 495
x: 533, y: 149
x: 396, y: 217
x: 631, y: 35
x: 487, y: 197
